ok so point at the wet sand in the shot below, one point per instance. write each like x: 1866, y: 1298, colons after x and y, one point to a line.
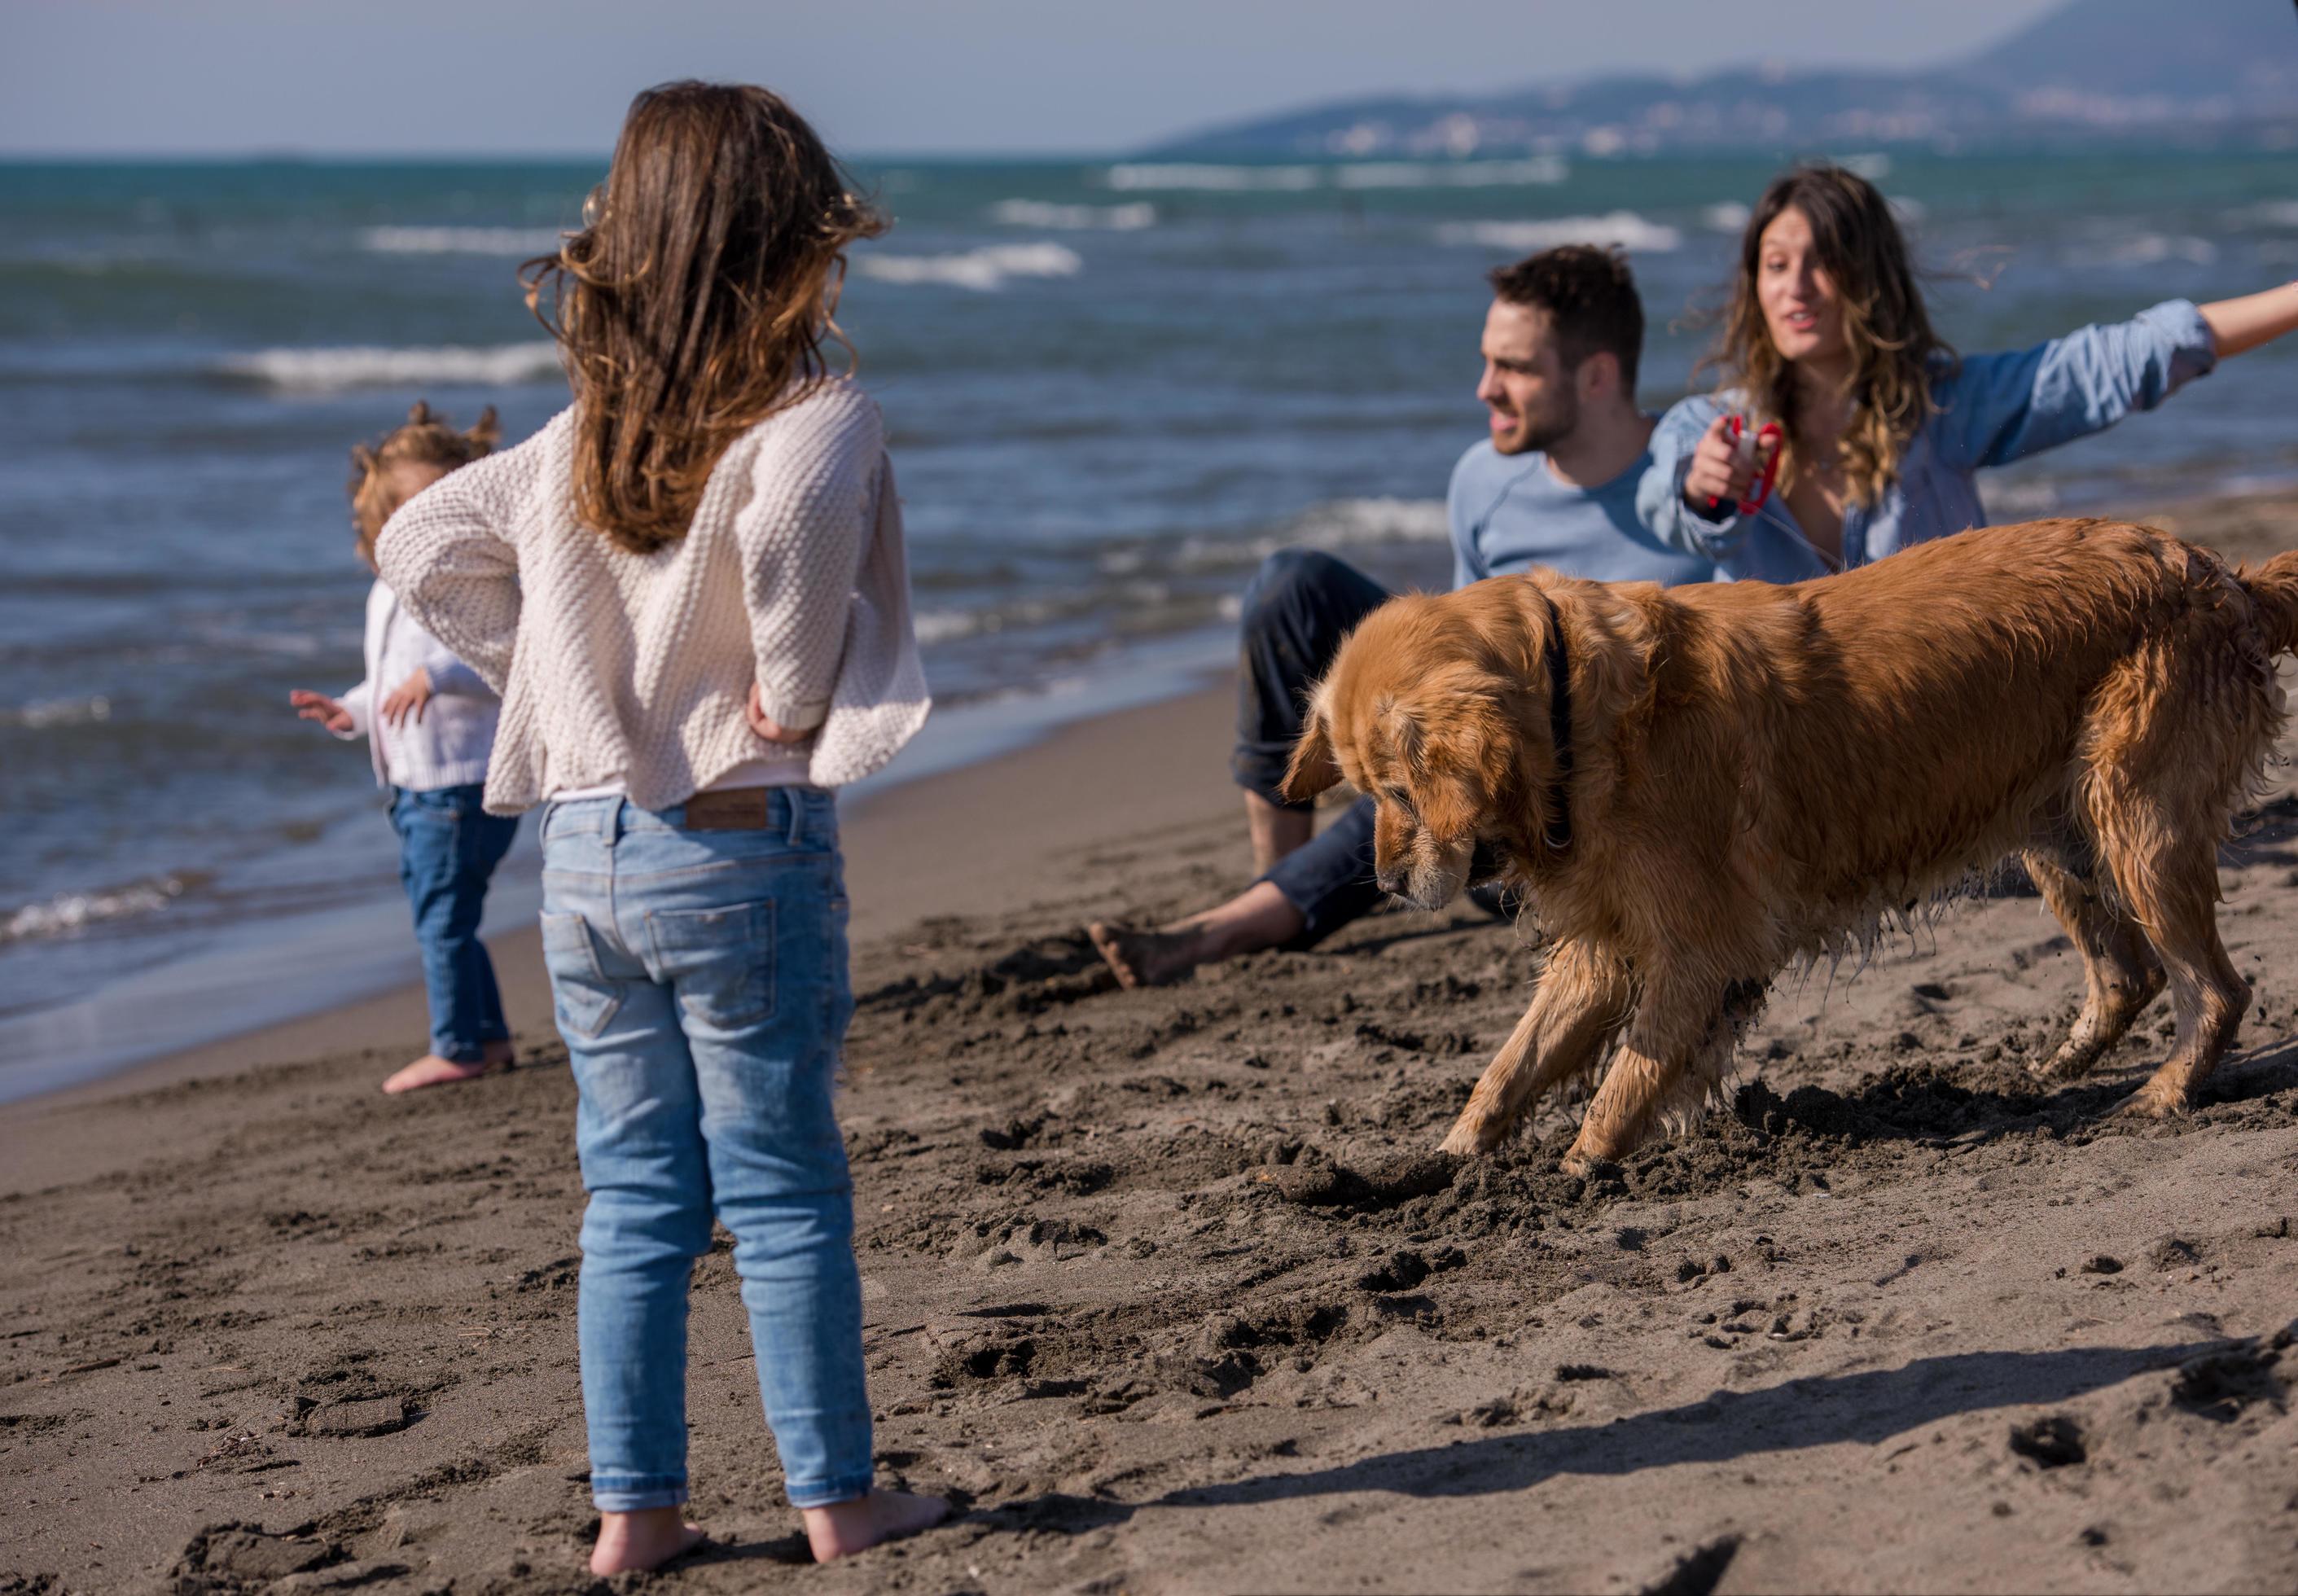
x: 1162, y: 1286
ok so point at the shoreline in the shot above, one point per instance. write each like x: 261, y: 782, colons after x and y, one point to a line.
x: 358, y: 958
x: 899, y: 869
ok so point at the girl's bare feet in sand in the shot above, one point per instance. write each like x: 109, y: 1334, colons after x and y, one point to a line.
x: 1259, y: 917
x: 647, y: 1539
x: 843, y: 1528
x: 432, y: 1071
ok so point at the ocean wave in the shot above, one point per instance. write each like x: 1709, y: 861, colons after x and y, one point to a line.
x: 2266, y: 213
x: 2153, y: 249
x: 1036, y: 213
x: 1728, y: 217
x: 58, y: 712
x: 68, y: 912
x: 461, y: 241
x: 983, y: 270
x: 1215, y: 179
x: 328, y: 371
x: 1624, y: 229
x: 1452, y: 174
x: 1338, y: 524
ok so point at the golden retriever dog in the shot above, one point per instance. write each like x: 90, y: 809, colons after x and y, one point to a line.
x: 1693, y: 786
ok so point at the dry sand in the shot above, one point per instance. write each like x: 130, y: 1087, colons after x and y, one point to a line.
x: 1163, y: 1287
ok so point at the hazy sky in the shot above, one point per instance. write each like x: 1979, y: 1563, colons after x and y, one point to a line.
x: 916, y: 76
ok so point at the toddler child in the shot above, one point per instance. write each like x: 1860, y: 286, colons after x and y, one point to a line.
x: 429, y: 733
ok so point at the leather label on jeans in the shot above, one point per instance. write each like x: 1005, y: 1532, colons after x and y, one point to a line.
x: 743, y: 809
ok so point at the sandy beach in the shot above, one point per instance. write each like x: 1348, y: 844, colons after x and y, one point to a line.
x: 1164, y: 1288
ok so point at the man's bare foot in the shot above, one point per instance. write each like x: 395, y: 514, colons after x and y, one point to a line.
x: 432, y: 1071
x: 843, y: 1528
x: 647, y: 1539
x: 1142, y: 957
x: 1261, y: 916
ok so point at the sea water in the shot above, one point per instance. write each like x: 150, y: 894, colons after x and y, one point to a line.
x: 1112, y: 388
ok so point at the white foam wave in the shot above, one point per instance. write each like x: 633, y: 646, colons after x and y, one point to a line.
x: 1341, y: 524
x: 1217, y: 179
x: 326, y: 370
x: 1728, y: 217
x: 461, y: 241
x: 1347, y: 521
x: 944, y: 625
x: 1452, y: 174
x: 2153, y: 249
x: 2266, y: 213
x: 983, y: 270
x: 69, y: 912
x: 58, y: 712
x: 1624, y: 229
x: 1036, y: 213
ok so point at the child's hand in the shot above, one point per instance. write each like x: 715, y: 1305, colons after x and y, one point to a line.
x: 407, y: 698
x: 317, y: 707
x: 764, y: 725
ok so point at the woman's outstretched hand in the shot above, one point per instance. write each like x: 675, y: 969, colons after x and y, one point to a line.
x: 317, y: 707
x: 407, y: 699
x: 1720, y: 472
x: 765, y: 725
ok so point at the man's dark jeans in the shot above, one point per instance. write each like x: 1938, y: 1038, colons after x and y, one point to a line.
x: 1300, y: 605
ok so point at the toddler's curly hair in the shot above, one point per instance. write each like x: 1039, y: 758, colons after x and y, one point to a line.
x: 426, y: 439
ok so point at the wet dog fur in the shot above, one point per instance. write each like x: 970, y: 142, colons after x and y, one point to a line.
x: 1748, y: 773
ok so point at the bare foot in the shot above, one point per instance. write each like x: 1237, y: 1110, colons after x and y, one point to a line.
x: 1261, y: 916
x: 432, y: 1071
x: 843, y: 1528
x: 647, y: 1539
x: 1148, y: 958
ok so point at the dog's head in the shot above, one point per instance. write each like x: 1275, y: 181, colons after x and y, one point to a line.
x: 1437, y: 708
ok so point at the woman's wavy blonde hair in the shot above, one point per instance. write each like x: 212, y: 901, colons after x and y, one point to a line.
x: 695, y: 301
x: 427, y: 438
x: 1895, y: 354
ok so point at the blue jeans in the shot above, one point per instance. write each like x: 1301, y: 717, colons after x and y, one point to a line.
x: 1301, y: 605
x: 700, y: 982
x: 448, y: 847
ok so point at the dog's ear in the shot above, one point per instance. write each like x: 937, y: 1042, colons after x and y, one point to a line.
x: 1313, y: 768
x: 484, y: 432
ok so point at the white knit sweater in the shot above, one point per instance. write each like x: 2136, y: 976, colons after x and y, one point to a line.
x: 634, y: 669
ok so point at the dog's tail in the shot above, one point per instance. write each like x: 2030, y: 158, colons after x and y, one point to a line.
x: 2273, y: 587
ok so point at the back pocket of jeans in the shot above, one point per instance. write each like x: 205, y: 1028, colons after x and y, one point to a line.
x: 721, y: 961
x: 584, y: 999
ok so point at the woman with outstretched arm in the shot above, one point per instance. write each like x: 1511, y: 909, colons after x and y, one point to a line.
x: 1880, y: 428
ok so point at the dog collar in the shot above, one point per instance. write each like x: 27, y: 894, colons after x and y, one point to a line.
x: 1559, y: 832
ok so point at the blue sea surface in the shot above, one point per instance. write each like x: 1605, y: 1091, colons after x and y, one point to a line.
x: 1112, y: 389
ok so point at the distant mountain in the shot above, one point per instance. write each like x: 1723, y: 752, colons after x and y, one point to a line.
x: 2205, y: 72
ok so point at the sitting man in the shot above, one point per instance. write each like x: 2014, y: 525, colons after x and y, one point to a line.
x: 1555, y: 485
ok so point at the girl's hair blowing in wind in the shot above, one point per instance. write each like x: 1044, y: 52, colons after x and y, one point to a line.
x: 695, y: 301
x: 1895, y: 354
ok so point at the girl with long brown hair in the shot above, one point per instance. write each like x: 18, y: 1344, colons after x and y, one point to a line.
x: 689, y: 586
x: 1835, y: 383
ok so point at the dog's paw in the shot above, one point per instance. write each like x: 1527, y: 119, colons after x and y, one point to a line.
x: 2147, y: 1103
x: 1468, y: 1141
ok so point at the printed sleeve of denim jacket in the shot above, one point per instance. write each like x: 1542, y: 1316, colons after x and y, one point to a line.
x: 1994, y: 408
